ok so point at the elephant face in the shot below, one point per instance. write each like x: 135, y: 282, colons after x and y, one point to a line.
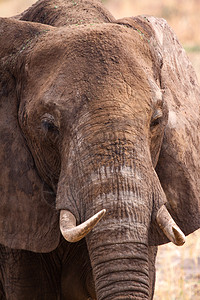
x: 105, y: 92
x: 94, y: 118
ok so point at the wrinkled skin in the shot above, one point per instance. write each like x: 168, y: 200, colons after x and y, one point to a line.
x: 86, y: 111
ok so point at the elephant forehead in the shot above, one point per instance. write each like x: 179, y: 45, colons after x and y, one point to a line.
x: 91, y: 46
x: 106, y: 57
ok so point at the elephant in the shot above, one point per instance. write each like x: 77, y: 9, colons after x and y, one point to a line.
x: 99, y: 156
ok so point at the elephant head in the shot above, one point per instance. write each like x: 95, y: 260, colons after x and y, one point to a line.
x: 98, y: 117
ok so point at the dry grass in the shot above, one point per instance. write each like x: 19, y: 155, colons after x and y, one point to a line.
x: 178, y: 268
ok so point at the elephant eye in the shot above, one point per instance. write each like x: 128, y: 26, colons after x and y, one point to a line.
x: 48, y: 124
x: 156, y: 118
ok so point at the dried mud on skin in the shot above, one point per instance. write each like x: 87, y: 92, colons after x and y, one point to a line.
x: 178, y: 268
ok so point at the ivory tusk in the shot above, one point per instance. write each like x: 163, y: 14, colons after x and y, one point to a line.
x: 169, y: 227
x: 73, y: 233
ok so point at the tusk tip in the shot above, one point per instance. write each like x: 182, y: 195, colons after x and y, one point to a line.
x: 179, y: 236
x: 73, y: 233
x: 169, y: 227
x: 102, y: 212
x: 98, y: 216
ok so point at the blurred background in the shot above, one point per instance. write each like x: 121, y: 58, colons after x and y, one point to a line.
x: 178, y: 268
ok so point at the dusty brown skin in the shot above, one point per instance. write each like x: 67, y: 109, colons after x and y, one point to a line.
x: 95, y: 114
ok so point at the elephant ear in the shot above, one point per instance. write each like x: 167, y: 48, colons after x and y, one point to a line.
x: 178, y: 166
x: 27, y: 220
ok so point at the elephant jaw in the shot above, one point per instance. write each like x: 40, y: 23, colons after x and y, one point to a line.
x: 73, y: 233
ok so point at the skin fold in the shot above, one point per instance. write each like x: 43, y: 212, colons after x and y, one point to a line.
x: 94, y: 115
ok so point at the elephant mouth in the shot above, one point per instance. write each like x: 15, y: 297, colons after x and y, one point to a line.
x: 73, y: 233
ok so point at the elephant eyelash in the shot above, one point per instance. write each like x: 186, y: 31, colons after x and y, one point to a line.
x: 157, y: 116
x: 48, y: 124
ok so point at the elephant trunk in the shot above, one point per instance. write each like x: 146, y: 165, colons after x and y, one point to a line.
x: 119, y: 262
x: 118, y: 246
